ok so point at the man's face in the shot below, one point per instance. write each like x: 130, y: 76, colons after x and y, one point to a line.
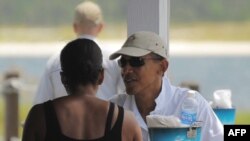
x: 141, y: 74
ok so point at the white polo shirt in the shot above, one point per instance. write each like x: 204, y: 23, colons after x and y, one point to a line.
x: 51, y: 87
x: 168, y: 103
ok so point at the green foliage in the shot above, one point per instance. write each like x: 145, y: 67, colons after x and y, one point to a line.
x: 209, y: 10
x: 243, y: 117
x: 205, y: 19
x: 52, y: 12
x: 60, y: 12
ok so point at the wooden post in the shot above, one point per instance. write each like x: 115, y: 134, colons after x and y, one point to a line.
x: 149, y: 15
x: 10, y: 92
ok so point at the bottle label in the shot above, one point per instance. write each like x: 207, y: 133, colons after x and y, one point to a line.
x: 188, y: 118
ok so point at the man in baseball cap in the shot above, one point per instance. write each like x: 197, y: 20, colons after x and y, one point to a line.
x: 143, y: 61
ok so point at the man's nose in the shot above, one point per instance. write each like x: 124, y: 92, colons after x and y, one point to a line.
x: 127, y: 69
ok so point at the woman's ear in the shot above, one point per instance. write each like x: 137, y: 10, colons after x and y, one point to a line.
x: 64, y: 82
x: 100, y: 77
x: 63, y: 79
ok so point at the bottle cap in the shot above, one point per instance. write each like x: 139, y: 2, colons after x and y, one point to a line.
x: 191, y: 93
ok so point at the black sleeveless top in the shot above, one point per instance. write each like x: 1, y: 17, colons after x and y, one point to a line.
x: 53, y: 131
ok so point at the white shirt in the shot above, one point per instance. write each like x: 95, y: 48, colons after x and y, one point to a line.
x: 51, y: 87
x: 168, y: 103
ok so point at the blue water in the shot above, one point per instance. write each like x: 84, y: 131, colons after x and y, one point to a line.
x: 27, y: 65
x: 211, y: 73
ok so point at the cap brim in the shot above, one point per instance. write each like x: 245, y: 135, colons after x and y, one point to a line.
x: 130, y: 51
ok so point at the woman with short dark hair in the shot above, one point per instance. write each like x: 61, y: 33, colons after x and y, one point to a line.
x: 80, y: 116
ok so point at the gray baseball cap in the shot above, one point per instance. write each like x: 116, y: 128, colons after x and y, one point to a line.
x: 140, y: 44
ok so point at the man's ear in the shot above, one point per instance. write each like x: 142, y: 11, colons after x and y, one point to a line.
x: 101, y: 77
x: 100, y: 27
x: 164, y: 65
x: 75, y: 27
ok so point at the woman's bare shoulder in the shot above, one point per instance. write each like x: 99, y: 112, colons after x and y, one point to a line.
x: 131, y: 127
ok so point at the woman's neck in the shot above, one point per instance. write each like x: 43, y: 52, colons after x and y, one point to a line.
x: 86, y: 90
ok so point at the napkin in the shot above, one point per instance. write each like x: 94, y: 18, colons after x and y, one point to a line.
x: 222, y: 99
x: 163, y: 121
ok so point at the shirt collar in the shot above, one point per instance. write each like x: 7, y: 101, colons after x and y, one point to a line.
x: 86, y: 36
x: 164, y: 97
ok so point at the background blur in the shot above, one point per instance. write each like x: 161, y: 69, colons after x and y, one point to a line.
x: 47, y: 20
x: 209, y: 44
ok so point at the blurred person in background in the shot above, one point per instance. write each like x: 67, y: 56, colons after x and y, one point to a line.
x: 80, y: 115
x: 88, y: 23
x: 143, y: 63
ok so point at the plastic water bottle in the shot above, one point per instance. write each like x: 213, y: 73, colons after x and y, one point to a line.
x: 189, y: 108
